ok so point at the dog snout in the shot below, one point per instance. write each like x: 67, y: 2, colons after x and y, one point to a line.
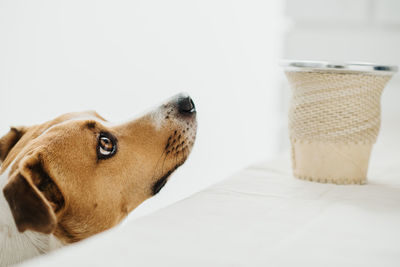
x: 179, y: 109
x: 186, y: 105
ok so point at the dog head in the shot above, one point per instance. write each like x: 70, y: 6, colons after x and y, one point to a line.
x: 78, y: 175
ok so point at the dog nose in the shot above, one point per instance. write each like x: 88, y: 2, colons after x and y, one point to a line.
x: 186, y: 105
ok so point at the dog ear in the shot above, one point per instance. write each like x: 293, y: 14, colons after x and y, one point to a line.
x: 8, y: 141
x: 33, y: 197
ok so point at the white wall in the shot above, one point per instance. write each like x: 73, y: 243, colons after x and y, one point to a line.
x: 120, y: 57
x: 343, y: 30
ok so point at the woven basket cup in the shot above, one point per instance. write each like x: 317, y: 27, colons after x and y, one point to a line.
x: 334, y: 119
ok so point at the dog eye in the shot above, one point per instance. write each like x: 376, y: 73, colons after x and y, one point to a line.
x: 106, y: 146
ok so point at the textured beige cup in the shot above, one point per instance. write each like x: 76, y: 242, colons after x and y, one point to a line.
x: 334, y: 119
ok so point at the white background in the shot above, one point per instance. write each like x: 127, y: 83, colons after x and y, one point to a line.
x: 121, y: 57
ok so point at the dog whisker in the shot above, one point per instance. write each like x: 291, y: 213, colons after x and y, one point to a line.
x: 162, y: 167
x: 158, y: 161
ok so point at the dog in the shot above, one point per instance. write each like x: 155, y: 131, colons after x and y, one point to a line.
x: 78, y: 175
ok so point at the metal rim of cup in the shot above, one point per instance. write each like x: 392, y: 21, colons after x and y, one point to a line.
x: 338, y: 67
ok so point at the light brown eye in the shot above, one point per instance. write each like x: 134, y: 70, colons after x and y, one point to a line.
x: 107, y: 146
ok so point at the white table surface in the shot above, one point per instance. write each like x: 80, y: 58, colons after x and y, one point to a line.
x: 262, y: 216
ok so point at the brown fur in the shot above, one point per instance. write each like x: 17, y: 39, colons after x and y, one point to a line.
x: 58, y: 185
x: 9, y: 140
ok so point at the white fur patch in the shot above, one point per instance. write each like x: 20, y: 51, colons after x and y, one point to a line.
x: 15, y: 246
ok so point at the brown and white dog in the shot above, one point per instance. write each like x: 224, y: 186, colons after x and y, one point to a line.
x: 78, y: 175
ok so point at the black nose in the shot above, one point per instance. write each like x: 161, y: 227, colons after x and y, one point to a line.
x: 186, y: 105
